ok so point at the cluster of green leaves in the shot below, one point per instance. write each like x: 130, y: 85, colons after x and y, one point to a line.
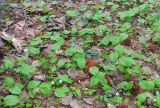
x: 92, y: 23
x: 98, y: 77
x: 77, y: 55
x: 126, y: 15
x: 15, y: 89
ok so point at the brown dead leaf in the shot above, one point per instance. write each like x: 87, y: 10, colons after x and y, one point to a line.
x: 127, y: 42
x: 152, y: 47
x: 122, y: 105
x: 90, y: 63
x: 136, y: 87
x: 81, y: 78
x: 110, y: 81
x: 126, y: 99
x: 1, y: 55
x: 17, y: 45
x: 15, y: 42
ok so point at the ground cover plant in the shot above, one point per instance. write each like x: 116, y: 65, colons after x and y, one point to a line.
x: 80, y: 54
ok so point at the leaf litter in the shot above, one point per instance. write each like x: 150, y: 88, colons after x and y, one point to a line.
x: 60, y: 64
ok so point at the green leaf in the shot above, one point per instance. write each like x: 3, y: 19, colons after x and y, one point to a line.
x: 81, y: 63
x: 94, y: 81
x: 8, y: 81
x: 88, y: 40
x: 61, y: 63
x: 109, y: 67
x: 107, y: 88
x: 105, y: 41
x: 125, y: 85
x: 126, y: 61
x: 26, y: 69
x: 65, y: 78
x: 74, y: 30
x: 43, y: 18
x: 34, y: 50
x: 32, y: 84
x: 78, y: 56
x: 7, y: 63
x: 58, y: 39
x: 116, y: 99
x: 61, y: 92
x: 123, y: 36
x: 137, y: 68
x: 11, y: 100
x: 94, y: 70
x: 143, y: 40
x: 115, y: 40
x: 71, y: 51
x: 77, y: 92
x: 85, y: 31
x: 45, y: 88
x: 40, y: 4
x: 157, y: 82
x: 157, y: 101
x: 56, y: 46
x: 101, y: 78
x: 119, y: 49
x: 125, y: 27
x: 141, y: 98
x: 114, y: 56
x: 72, y: 13
x: 47, y: 35
x: 147, y: 85
x: 16, y: 89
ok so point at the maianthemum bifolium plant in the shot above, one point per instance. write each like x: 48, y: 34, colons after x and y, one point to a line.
x: 113, y: 35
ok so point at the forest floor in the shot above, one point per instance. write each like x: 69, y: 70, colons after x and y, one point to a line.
x: 80, y: 54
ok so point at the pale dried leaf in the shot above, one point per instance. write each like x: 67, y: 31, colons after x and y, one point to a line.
x: 72, y: 73
x: 15, y: 42
x: 49, y: 107
x: 60, y: 20
x: 39, y: 76
x: 89, y: 100
x: 66, y: 100
x: 22, y: 23
x: 75, y: 104
x: 17, y: 45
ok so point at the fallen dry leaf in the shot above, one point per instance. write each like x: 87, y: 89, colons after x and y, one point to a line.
x: 122, y: 105
x: 22, y: 23
x: 66, y: 100
x: 75, y: 104
x: 38, y: 76
x: 89, y: 100
x: 73, y: 73
x: 81, y: 78
x: 90, y: 63
x: 17, y: 45
x: 110, y: 80
x: 127, y: 42
x: 15, y: 42
x: 152, y: 47
x: 49, y: 107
